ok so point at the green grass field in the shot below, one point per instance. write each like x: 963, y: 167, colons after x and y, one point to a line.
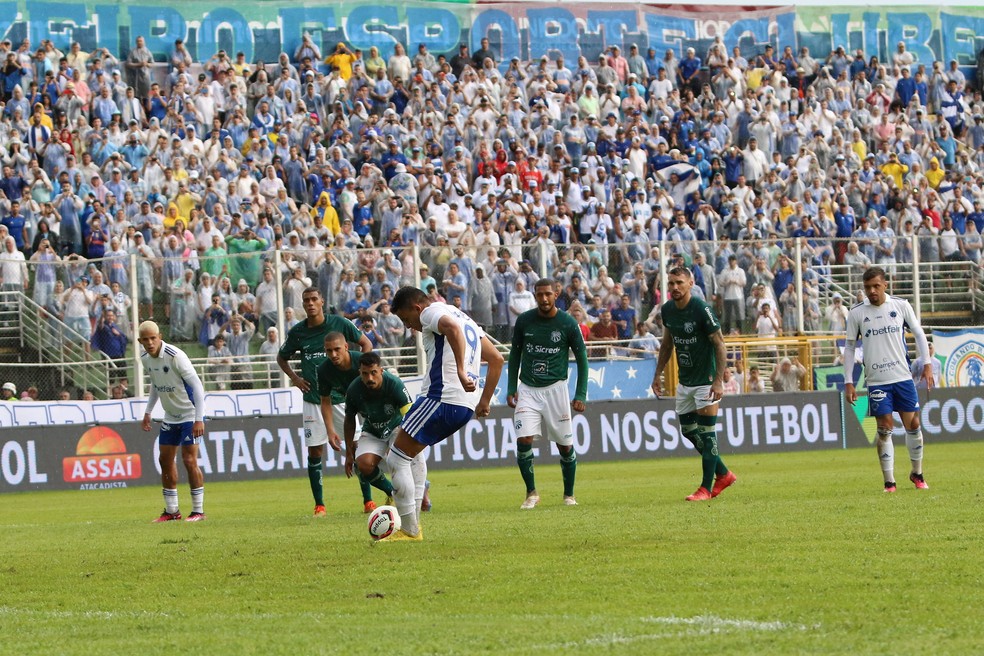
x: 804, y: 555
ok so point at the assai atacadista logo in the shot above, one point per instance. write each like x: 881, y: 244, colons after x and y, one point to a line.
x: 965, y: 365
x: 101, y: 461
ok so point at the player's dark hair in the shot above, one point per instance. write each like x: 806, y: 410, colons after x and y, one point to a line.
x: 407, y: 296
x: 370, y: 359
x: 874, y: 272
x: 543, y: 282
x: 334, y: 336
x: 680, y: 271
x: 311, y: 289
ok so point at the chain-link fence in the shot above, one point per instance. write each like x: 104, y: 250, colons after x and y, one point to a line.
x: 77, y: 316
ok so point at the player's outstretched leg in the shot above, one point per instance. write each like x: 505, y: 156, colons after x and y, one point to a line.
x: 524, y: 458
x: 568, y: 469
x: 886, y: 456
x: 403, y: 489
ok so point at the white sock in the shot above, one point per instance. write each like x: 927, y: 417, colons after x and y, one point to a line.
x: 403, y: 488
x: 197, y: 499
x: 418, y: 467
x: 170, y: 501
x: 886, y: 454
x: 914, y: 442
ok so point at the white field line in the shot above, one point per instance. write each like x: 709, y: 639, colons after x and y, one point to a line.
x: 700, y: 625
x: 714, y: 622
x: 79, y: 614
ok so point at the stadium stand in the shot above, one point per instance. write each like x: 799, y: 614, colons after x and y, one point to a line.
x: 208, y: 200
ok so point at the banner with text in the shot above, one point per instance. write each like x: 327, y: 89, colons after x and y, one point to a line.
x: 520, y: 29
x: 86, y: 457
x: 949, y: 414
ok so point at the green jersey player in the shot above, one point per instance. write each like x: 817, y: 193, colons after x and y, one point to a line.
x: 335, y: 375
x: 542, y: 340
x: 380, y: 399
x: 308, y: 338
x: 691, y: 329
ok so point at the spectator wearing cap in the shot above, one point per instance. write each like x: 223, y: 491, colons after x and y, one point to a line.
x: 8, y: 392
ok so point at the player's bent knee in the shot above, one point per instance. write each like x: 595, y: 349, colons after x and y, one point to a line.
x: 367, y: 464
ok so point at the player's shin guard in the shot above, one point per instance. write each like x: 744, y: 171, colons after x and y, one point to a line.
x: 418, y: 468
x: 170, y: 500
x: 886, y: 454
x: 197, y: 499
x: 568, y: 469
x: 403, y: 488
x: 524, y: 458
x: 317, y: 486
x: 366, y: 490
x: 709, y: 451
x: 378, y: 480
x: 690, y: 430
x: 914, y: 442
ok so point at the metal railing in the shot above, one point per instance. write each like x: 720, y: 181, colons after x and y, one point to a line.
x: 55, y: 342
x: 944, y: 294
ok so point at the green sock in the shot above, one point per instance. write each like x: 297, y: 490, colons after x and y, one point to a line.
x: 568, y: 467
x: 524, y: 458
x: 378, y: 480
x: 366, y: 491
x: 314, y: 475
x: 709, y: 455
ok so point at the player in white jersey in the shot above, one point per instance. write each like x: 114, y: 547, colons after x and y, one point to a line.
x: 450, y: 395
x: 176, y: 383
x: 880, y: 323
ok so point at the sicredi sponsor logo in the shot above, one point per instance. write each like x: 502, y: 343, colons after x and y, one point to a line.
x: 101, y: 461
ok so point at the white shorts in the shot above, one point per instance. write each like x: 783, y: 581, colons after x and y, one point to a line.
x: 544, y: 411
x: 315, y: 433
x: 692, y: 399
x: 369, y: 443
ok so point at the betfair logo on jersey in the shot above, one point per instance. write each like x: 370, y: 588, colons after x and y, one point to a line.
x: 884, y: 330
x: 316, y: 355
x: 689, y: 327
x: 555, y: 336
x: 165, y: 388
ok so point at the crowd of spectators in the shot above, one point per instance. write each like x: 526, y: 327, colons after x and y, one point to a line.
x: 499, y: 171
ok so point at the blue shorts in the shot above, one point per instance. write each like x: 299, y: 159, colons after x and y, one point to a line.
x: 894, y: 397
x: 429, y: 422
x: 177, y: 434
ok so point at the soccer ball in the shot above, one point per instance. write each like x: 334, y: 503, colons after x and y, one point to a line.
x: 383, y: 522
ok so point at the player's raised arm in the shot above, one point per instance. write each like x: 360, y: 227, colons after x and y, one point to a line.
x: 494, y: 360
